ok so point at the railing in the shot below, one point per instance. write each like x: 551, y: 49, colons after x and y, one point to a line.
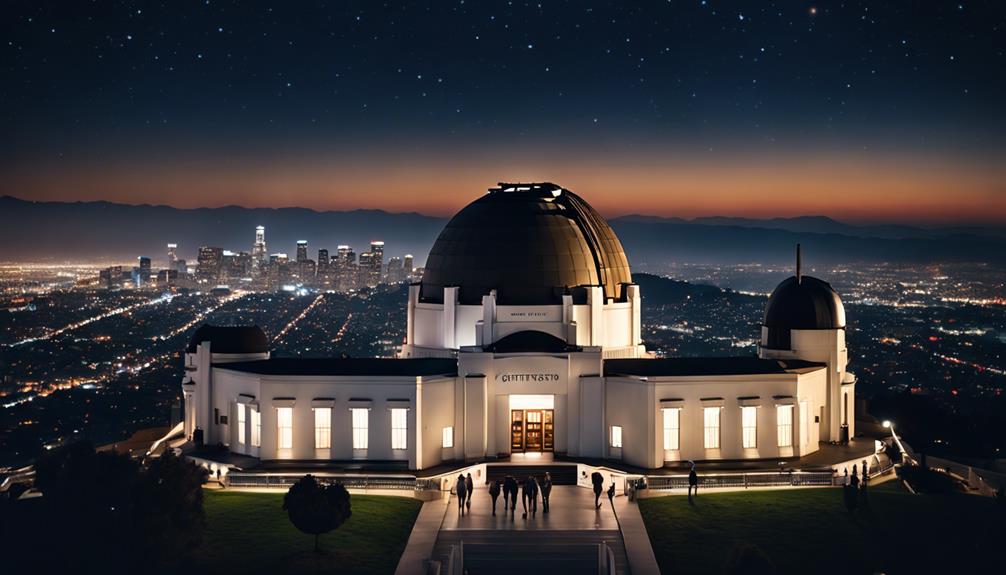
x: 742, y: 480
x: 352, y: 481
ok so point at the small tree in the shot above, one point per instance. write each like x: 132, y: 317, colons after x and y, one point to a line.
x: 315, y: 508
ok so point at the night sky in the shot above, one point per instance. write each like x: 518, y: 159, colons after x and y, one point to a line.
x: 886, y: 111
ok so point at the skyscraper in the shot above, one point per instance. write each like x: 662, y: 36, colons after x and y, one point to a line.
x: 259, y: 254
x: 209, y: 262
x: 142, y: 278
x: 408, y: 264
x: 301, y: 250
x: 396, y: 272
x: 172, y: 256
x: 375, y: 265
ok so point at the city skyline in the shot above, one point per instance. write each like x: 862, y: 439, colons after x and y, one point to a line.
x: 854, y: 111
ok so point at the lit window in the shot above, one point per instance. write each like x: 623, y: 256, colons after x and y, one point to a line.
x: 616, y: 436
x: 784, y: 418
x: 749, y: 427
x: 361, y: 415
x: 448, y: 440
x: 399, y: 428
x: 672, y: 428
x: 711, y: 417
x: 284, y: 423
x: 322, y: 427
x: 256, y: 431
x: 241, y: 423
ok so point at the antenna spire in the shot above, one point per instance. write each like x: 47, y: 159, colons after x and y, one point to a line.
x: 799, y: 274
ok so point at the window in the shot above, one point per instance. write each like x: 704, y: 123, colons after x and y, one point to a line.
x: 749, y: 427
x: 256, y: 431
x: 616, y: 436
x: 322, y: 427
x: 284, y: 423
x: 399, y: 428
x: 711, y: 417
x: 241, y: 423
x: 360, y: 422
x: 448, y: 440
x: 784, y: 419
x: 672, y: 428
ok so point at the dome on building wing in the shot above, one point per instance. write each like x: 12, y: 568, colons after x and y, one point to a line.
x: 529, y: 242
x: 230, y: 339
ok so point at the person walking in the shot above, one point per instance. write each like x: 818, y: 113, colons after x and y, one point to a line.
x: 598, y: 481
x: 461, y: 488
x: 528, y: 497
x: 546, y: 490
x: 512, y: 483
x: 470, y: 488
x: 494, y: 492
x: 693, y: 482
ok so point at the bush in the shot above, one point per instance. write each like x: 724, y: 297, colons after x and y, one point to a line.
x: 748, y: 559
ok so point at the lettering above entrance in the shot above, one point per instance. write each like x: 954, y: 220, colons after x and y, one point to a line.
x: 505, y: 315
x: 527, y: 377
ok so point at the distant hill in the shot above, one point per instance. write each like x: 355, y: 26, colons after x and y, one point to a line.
x: 103, y: 230
x: 93, y: 231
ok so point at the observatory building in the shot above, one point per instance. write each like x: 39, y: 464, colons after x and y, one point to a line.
x: 524, y: 336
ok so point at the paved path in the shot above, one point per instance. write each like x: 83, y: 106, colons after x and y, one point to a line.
x: 642, y: 561
x: 423, y: 538
x: 571, y: 508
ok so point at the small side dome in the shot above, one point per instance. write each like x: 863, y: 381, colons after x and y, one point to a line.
x: 800, y: 302
x: 804, y: 303
x: 230, y: 339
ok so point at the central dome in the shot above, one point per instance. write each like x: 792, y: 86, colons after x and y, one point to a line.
x: 529, y: 242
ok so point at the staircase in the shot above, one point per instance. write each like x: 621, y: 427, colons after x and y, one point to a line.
x: 561, y: 474
x: 520, y: 551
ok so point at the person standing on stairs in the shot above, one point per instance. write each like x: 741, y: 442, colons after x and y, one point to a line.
x: 546, y: 490
x: 598, y: 481
x: 470, y: 488
x: 461, y: 488
x: 494, y: 492
x: 513, y: 494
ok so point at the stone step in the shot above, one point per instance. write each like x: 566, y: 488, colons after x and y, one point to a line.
x: 540, y: 552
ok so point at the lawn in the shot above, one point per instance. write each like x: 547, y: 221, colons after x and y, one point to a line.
x: 250, y: 533
x: 810, y: 531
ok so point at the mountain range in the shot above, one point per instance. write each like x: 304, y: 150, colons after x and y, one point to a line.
x: 105, y: 231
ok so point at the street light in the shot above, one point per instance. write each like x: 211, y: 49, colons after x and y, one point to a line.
x: 889, y: 425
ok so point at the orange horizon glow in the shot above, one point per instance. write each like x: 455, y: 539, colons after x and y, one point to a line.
x: 843, y: 187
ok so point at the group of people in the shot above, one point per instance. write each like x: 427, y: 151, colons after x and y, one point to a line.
x: 854, y: 488
x: 529, y: 490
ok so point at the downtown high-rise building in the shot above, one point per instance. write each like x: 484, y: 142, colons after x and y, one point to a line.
x: 259, y: 254
x: 302, y: 251
x: 172, y: 255
x: 209, y: 263
x: 408, y: 264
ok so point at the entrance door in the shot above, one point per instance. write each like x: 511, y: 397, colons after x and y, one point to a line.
x: 532, y: 430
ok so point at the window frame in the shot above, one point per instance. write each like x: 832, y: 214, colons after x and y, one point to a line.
x: 615, y: 437
x: 749, y: 429
x: 242, y: 420
x: 672, y: 433
x: 280, y: 428
x: 447, y: 437
x: 784, y: 431
x: 360, y: 433
x: 707, y: 430
x: 399, y: 429
x: 323, y: 432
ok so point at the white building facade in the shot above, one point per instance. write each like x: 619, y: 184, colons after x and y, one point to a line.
x: 524, y: 336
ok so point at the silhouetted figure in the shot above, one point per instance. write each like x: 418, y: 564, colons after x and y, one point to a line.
x: 693, y: 483
x: 854, y: 480
x: 461, y: 488
x: 611, y: 495
x: 494, y: 492
x: 546, y: 490
x: 529, y: 498
x: 510, y: 485
x: 470, y: 488
x: 598, y: 481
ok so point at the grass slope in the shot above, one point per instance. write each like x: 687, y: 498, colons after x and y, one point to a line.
x: 810, y: 531
x: 250, y: 533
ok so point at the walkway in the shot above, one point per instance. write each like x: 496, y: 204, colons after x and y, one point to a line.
x: 561, y: 541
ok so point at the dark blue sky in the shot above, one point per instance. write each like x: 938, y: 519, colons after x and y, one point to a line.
x: 115, y: 87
